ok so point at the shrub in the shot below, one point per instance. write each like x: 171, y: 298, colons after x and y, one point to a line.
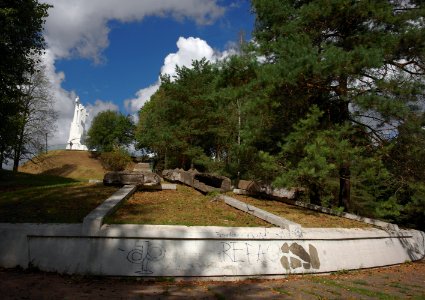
x: 116, y: 160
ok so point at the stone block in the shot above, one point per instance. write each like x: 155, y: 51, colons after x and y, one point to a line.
x: 250, y: 186
x: 186, y: 177
x: 139, y: 179
x: 172, y: 175
x: 208, y: 182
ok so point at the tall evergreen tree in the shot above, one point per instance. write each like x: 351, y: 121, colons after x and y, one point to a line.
x: 361, y: 62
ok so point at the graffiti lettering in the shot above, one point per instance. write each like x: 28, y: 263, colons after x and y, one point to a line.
x: 143, y: 254
x: 246, y: 252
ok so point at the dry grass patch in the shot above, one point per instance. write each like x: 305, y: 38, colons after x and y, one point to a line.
x: 304, y: 217
x: 68, y: 203
x: 65, y: 163
x: 185, y: 206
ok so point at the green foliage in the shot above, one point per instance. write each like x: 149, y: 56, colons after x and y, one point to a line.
x: 115, y: 160
x: 339, y: 90
x: 311, y: 158
x: 110, y: 129
x: 20, y: 43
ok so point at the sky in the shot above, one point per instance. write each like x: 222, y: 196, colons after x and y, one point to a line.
x: 110, y: 53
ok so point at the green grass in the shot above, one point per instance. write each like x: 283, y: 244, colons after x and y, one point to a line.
x: 28, y: 198
x: 354, y: 289
x: 304, y: 217
x: 10, y: 181
x: 360, y: 282
x: 185, y: 206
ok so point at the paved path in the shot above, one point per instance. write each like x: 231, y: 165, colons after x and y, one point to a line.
x: 406, y: 281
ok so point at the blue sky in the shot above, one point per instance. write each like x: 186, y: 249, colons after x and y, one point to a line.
x: 109, y: 52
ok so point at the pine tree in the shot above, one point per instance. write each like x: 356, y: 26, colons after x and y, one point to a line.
x: 361, y: 62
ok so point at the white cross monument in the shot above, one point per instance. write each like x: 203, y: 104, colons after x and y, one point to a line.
x: 77, y: 132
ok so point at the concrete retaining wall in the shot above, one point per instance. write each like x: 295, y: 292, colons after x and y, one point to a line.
x: 147, y: 250
x: 161, y: 250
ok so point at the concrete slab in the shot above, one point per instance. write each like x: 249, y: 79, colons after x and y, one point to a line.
x: 163, y: 186
x: 94, y: 220
x: 262, y: 214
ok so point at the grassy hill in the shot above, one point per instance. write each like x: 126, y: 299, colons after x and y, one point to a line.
x: 66, y: 163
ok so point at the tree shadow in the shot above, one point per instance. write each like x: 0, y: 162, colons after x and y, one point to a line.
x: 64, y: 170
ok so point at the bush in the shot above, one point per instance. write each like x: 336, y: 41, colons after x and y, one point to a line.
x: 116, y: 160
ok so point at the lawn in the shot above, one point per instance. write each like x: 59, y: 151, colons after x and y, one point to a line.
x: 65, y: 163
x: 185, y: 206
x: 10, y: 181
x: 28, y: 198
x: 304, y: 217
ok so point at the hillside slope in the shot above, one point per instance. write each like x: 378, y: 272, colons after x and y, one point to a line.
x: 65, y: 163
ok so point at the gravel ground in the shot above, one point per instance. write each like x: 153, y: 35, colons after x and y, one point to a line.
x: 406, y: 281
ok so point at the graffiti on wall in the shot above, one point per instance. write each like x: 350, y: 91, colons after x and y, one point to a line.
x: 143, y: 254
x: 295, y: 256
x: 291, y: 255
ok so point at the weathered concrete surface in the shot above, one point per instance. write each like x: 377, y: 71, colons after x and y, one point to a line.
x: 138, y: 178
x: 172, y: 175
x: 148, y: 250
x: 269, y: 255
x: 14, y: 240
x: 161, y: 187
x: 94, y: 220
x: 264, y: 215
x: 250, y: 187
x: 203, y: 182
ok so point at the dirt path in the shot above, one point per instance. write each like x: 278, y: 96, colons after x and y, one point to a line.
x: 406, y: 281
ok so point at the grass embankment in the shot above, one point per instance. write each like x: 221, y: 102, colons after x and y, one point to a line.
x: 29, y: 198
x: 185, y: 206
x: 189, y: 207
x: 304, y: 217
x: 65, y: 163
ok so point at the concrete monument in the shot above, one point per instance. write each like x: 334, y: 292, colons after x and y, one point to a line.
x: 77, y: 132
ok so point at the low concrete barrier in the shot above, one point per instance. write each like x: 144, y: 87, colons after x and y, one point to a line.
x: 161, y: 250
x: 148, y: 250
x: 94, y: 220
x: 264, y: 215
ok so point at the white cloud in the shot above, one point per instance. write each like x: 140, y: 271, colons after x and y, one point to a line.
x: 64, y: 102
x: 189, y: 49
x: 80, y: 27
x: 142, y: 96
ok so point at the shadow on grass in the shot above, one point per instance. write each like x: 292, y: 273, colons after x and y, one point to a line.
x: 49, y: 199
x: 63, y: 171
x: 12, y: 181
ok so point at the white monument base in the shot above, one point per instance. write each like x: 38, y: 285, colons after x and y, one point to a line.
x: 77, y: 147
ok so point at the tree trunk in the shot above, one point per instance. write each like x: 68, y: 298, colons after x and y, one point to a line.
x: 1, y: 158
x: 16, y: 157
x: 344, y: 187
x: 344, y: 171
x: 18, y: 149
